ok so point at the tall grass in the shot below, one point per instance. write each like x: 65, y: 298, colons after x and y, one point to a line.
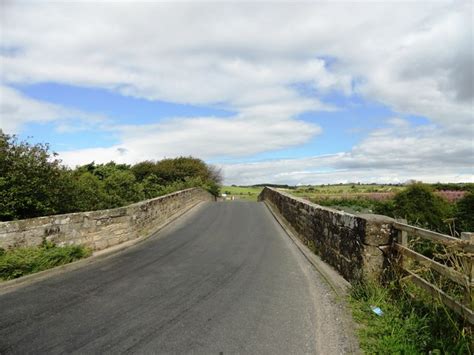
x: 409, y: 325
x: 23, y: 261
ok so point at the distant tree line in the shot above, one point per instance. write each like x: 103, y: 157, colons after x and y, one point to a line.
x: 34, y: 182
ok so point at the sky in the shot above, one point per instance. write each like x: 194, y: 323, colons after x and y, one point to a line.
x: 270, y: 92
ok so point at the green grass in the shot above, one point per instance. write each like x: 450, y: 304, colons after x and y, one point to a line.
x: 23, y: 261
x: 408, y: 326
x: 249, y: 193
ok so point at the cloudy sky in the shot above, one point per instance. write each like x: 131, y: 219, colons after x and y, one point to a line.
x: 306, y: 92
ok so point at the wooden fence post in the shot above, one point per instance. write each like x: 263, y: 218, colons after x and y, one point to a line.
x: 469, y: 297
x: 402, y: 238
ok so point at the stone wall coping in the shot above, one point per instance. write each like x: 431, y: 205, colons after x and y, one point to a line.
x: 99, y: 212
x: 376, y: 218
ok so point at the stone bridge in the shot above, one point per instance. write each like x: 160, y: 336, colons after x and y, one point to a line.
x: 224, y: 277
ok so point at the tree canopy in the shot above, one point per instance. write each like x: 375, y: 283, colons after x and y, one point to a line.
x: 34, y: 182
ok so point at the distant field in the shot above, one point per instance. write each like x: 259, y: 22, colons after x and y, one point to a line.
x: 251, y: 193
x: 360, y: 198
x: 248, y: 193
x: 349, y: 197
x: 352, y: 198
x: 344, y: 189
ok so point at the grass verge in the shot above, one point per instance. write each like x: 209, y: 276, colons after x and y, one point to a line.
x: 408, y: 325
x: 23, y: 261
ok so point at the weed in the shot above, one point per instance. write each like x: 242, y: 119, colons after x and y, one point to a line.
x: 22, y: 261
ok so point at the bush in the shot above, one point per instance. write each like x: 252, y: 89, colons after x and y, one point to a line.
x: 465, y: 213
x: 22, y: 261
x: 384, y: 207
x: 420, y: 206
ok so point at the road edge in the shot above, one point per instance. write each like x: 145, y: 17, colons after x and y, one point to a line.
x: 333, y: 279
x: 339, y: 285
x: 15, y: 284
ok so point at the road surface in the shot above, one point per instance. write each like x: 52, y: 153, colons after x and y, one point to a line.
x: 223, y: 279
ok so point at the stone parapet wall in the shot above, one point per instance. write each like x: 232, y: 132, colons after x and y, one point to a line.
x: 353, y: 245
x: 101, y: 229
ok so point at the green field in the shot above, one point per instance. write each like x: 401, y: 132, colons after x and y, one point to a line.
x: 249, y: 193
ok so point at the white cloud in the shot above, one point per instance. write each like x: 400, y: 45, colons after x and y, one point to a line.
x: 415, y: 57
x: 395, y: 154
x: 430, y: 72
x: 205, y: 137
x: 16, y: 110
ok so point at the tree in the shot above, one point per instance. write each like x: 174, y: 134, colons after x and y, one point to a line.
x: 171, y: 170
x: 102, y: 171
x: 151, y: 186
x: 122, y: 189
x: 32, y: 181
x: 144, y: 169
x: 90, y: 192
x: 183, y: 169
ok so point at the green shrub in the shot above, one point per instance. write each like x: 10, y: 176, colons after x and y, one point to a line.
x: 465, y: 213
x: 23, y: 261
x: 420, y: 206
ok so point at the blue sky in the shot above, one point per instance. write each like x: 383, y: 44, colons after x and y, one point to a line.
x: 297, y: 98
x: 121, y: 110
x: 341, y: 128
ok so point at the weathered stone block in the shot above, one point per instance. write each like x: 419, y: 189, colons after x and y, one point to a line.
x: 373, y: 262
x: 378, y: 230
x: 100, y: 244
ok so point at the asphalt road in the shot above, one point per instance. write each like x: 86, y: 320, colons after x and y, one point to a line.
x: 223, y: 279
